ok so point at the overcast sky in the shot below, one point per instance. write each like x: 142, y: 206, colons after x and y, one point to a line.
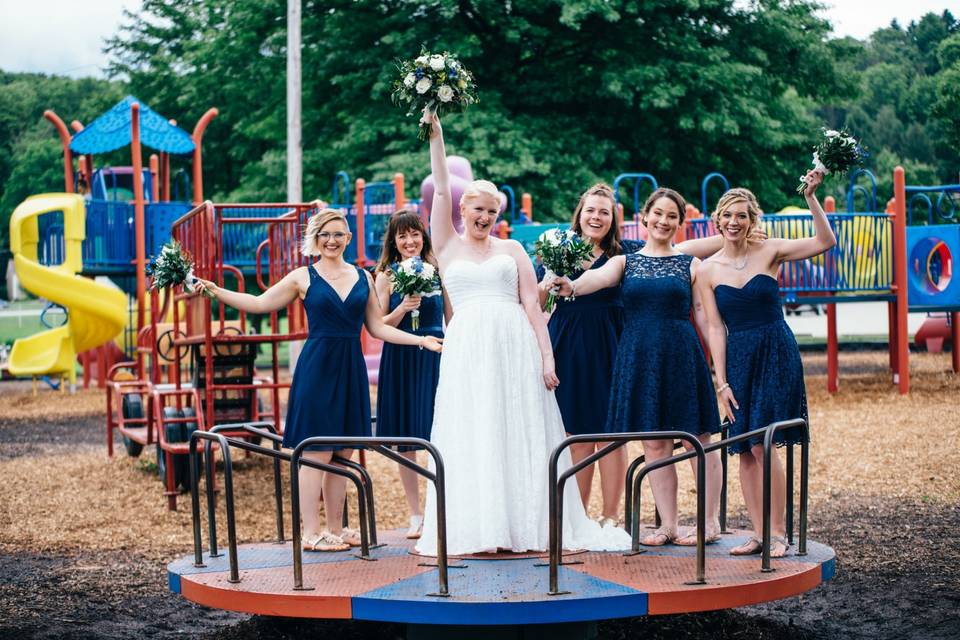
x: 66, y: 36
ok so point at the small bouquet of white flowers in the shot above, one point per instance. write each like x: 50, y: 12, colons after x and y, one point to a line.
x: 437, y: 81
x: 837, y: 152
x: 414, y: 277
x: 173, y: 267
x: 562, y: 253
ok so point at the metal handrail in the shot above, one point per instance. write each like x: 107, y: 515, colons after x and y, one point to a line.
x: 768, y: 433
x: 617, y: 440
x: 380, y: 445
x: 195, y: 437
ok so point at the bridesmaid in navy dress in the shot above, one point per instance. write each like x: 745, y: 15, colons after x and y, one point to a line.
x: 662, y: 378
x: 408, y: 377
x: 330, y: 394
x: 758, y: 367
x: 584, y: 333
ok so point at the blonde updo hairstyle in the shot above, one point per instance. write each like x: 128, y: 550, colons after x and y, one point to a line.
x: 316, y: 223
x: 479, y: 188
x: 732, y: 197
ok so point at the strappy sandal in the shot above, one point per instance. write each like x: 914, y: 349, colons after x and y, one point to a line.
x: 325, y: 541
x: 660, y: 537
x: 690, y: 539
x: 416, y: 527
x: 778, y: 540
x: 605, y: 522
x: 751, y: 547
x: 350, y: 536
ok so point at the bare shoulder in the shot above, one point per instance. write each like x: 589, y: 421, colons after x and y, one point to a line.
x: 507, y: 246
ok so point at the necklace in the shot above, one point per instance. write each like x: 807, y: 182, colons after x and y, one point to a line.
x: 742, y: 265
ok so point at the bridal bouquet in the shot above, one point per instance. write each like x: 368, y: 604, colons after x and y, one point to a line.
x: 414, y: 277
x: 562, y: 253
x: 172, y: 268
x: 837, y: 152
x: 437, y: 81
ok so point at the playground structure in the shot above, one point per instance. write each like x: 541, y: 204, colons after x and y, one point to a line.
x: 96, y: 313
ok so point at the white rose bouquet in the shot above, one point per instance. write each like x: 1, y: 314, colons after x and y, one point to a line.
x: 411, y: 277
x: 837, y: 152
x: 437, y: 81
x: 173, y: 267
x: 562, y: 253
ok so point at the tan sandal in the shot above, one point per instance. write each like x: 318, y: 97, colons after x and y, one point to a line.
x: 605, y: 522
x: 416, y: 527
x: 690, y: 539
x: 350, y: 536
x: 751, y: 547
x: 781, y: 550
x: 660, y: 537
x: 325, y: 541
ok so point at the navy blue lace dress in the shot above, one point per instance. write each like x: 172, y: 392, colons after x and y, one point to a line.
x: 763, y: 362
x: 408, y: 376
x: 662, y: 381
x: 330, y: 392
x: 584, y: 333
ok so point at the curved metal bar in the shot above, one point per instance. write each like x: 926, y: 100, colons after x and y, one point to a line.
x: 511, y: 202
x: 628, y: 486
x: 771, y: 431
x: 706, y: 183
x: 724, y: 431
x: 639, y: 177
x: 368, y: 495
x: 268, y: 431
x: 210, y: 438
x: 870, y: 198
x: 378, y: 444
x: 556, y: 487
x: 925, y: 198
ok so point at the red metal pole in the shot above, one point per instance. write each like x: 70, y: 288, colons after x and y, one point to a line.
x: 526, y: 205
x: 137, y: 161
x: 833, y: 347
x: 155, y: 178
x: 955, y: 340
x: 198, y: 155
x: 902, y: 374
x: 65, y: 141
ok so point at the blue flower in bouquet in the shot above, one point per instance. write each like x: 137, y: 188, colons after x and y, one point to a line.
x: 562, y: 253
x: 414, y: 277
x: 436, y: 81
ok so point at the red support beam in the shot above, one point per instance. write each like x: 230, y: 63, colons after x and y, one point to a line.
x: 198, y: 155
x: 137, y: 162
x: 902, y: 373
x: 65, y: 141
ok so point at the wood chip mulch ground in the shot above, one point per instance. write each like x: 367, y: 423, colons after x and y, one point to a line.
x: 84, y: 539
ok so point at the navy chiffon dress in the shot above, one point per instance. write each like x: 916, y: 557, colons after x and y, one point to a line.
x: 330, y: 392
x: 763, y: 362
x: 409, y: 375
x: 661, y: 378
x: 584, y: 333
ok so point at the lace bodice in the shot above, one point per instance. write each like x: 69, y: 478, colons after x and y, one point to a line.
x: 491, y: 281
x: 656, y: 288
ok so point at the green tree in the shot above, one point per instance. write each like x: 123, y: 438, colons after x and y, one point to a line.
x: 571, y: 90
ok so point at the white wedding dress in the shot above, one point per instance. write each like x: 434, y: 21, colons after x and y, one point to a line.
x: 495, y: 425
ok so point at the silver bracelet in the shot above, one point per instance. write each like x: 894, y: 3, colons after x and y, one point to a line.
x: 723, y: 387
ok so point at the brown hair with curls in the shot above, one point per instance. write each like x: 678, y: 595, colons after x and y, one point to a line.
x: 610, y: 243
x: 670, y: 194
x: 401, y: 221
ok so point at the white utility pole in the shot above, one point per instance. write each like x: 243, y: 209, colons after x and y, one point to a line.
x: 294, y: 129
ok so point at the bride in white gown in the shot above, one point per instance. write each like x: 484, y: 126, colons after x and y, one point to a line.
x: 496, y: 420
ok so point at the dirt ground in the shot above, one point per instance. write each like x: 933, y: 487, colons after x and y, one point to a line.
x: 84, y: 540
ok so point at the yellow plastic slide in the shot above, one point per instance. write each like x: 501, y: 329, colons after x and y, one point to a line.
x: 96, y: 313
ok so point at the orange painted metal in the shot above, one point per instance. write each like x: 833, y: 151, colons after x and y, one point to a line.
x: 360, y: 210
x: 399, y: 195
x: 67, y: 154
x: 833, y: 347
x: 140, y: 232
x: 526, y: 205
x: 900, y: 278
x: 155, y: 178
x: 198, y: 154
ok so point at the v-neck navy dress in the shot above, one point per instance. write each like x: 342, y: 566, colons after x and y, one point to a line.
x: 330, y: 392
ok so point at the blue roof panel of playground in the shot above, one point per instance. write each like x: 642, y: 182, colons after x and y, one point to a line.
x: 112, y: 131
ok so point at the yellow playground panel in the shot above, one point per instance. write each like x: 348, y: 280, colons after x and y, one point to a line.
x: 96, y: 313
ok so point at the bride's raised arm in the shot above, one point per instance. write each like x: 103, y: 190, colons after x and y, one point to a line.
x: 442, y: 230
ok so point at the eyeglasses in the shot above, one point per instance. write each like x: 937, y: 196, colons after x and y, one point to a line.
x: 336, y: 235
